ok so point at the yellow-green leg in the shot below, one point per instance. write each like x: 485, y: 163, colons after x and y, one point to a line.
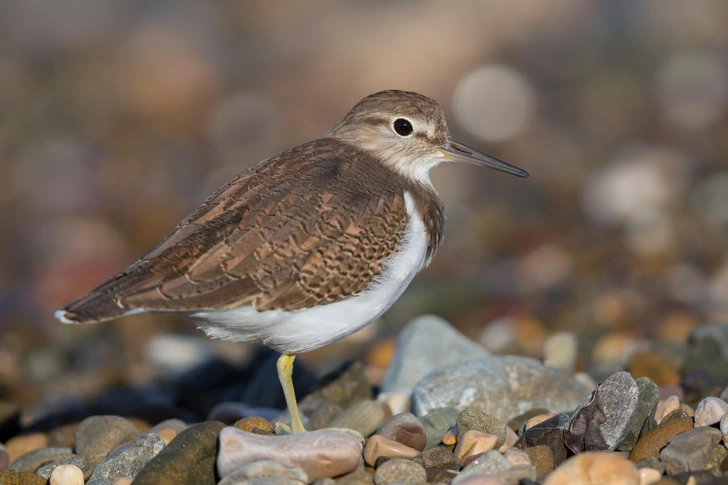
x: 285, y: 375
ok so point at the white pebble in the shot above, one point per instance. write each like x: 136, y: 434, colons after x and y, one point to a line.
x: 66, y: 475
x: 710, y: 411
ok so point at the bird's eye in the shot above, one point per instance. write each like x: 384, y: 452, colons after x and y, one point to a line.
x: 403, y: 127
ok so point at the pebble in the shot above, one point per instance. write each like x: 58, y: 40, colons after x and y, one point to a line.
x: 423, y: 345
x: 517, y: 457
x: 716, y: 459
x: 549, y: 433
x: 724, y: 428
x: 321, y: 454
x: 255, y: 424
x: 96, y: 436
x: 123, y: 481
x: 197, y: 444
x: 502, y: 386
x: 66, y: 475
x: 651, y: 462
x: 472, y: 418
x: 399, y: 471
x: 22, y: 444
x: 538, y: 419
x: 595, y: 468
x: 439, y: 457
x: 654, y: 440
x: 451, y: 436
x: 405, y: 428
x: 474, y: 442
x: 129, y: 459
x: 63, y: 435
x: 494, y: 463
x: 667, y: 406
x: 365, y: 417
x: 378, y: 446
x: 511, y: 438
x: 689, y: 451
x: 321, y: 413
x: 443, y: 477
x: 9, y: 477
x: 478, y: 479
x: 710, y: 411
x: 46, y: 469
x: 649, y: 395
x: 357, y: 477
x: 660, y: 369
x: 649, y: 476
x: 542, y: 458
x: 348, y: 387
x: 266, y: 470
x: 164, y: 431
x: 437, y: 422
x: 4, y: 457
x: 398, y: 401
x: 30, y: 461
x: 560, y: 350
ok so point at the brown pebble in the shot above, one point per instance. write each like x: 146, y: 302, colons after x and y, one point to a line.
x: 166, y: 432
x: 405, y: 428
x: 435, y: 475
x: 62, y: 436
x: 360, y: 476
x: 665, y: 407
x: 661, y: 370
x: 400, y: 471
x: 27, y: 478
x: 595, y: 468
x: 538, y: 420
x: 451, y: 437
x: 542, y: 457
x: 22, y: 444
x: 378, y: 446
x: 255, y: 424
x: 475, y: 442
x: 654, y: 440
x: 467, y: 461
x: 511, y: 438
x: 440, y: 457
x: 142, y: 425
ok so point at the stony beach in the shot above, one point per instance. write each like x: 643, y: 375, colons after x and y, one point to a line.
x: 446, y: 411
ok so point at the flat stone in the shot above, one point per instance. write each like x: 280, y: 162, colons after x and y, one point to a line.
x: 472, y: 418
x: 364, y: 417
x: 503, y: 386
x: 654, y: 440
x: 405, y: 428
x: 96, y: 436
x: 266, y: 471
x: 22, y: 444
x: 439, y: 457
x: 649, y: 395
x: 66, y: 475
x: 423, y: 345
x: 46, y: 470
x: 188, y: 460
x: 405, y: 472
x: 710, y: 411
x: 549, y: 433
x: 603, y: 420
x: 595, y: 468
x: 689, y: 451
x: 129, y: 459
x: 437, y: 422
x: 30, y: 461
x: 542, y: 458
x: 378, y: 446
x: 321, y: 454
x: 474, y: 442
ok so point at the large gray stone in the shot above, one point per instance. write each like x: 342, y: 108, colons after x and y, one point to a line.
x: 502, y: 386
x: 690, y: 450
x: 649, y: 396
x: 129, y: 459
x: 424, y: 344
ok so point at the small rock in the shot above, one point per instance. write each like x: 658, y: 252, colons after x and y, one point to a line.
x: 549, y: 433
x: 651, y: 462
x: 442, y: 477
x: 437, y: 422
x: 724, y: 428
x: 667, y: 406
x: 27, y: 478
x: 46, y: 470
x: 378, y: 446
x: 129, y: 459
x: 475, y: 442
x: 560, y: 351
x: 649, y: 395
x: 595, y: 468
x: 255, y: 424
x: 654, y: 440
x: 196, y: 445
x: 478, y: 479
x: 266, y: 469
x: 345, y: 387
x: 66, y: 475
x: 321, y: 413
x: 423, y: 345
x: 715, y: 460
x: 542, y: 459
x: 4, y: 457
x: 493, y: 463
x: 517, y: 457
x: 439, y: 457
x: 649, y: 476
x: 405, y: 472
x: 602, y: 421
x: 661, y: 370
x: 357, y: 477
x: 123, y: 481
x: 321, y: 454
x: 475, y: 419
x: 451, y: 437
x: 689, y: 451
x: 96, y: 436
x: 710, y: 411
x: 364, y: 417
x: 30, y: 461
x: 511, y: 438
x: 63, y: 436
x: 22, y: 444
x: 406, y: 429
x: 502, y: 386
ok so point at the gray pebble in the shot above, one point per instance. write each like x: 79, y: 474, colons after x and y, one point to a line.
x: 603, y: 420
x: 473, y: 418
x: 502, y: 386
x: 46, y: 469
x: 648, y: 397
x: 401, y: 471
x: 689, y: 450
x: 710, y: 411
x: 494, y: 463
x: 364, y: 417
x: 651, y: 462
x: 96, y: 436
x: 437, y: 422
x: 31, y: 460
x: 128, y: 460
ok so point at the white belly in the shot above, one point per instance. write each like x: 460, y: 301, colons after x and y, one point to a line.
x: 311, y: 328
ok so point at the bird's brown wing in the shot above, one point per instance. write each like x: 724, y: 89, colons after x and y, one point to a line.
x: 268, y: 239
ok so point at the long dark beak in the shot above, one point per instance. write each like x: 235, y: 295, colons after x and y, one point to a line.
x: 457, y: 152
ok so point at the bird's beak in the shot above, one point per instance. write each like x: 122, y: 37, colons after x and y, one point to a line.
x: 457, y: 152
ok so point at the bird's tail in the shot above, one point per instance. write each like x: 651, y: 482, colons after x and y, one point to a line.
x: 95, y: 307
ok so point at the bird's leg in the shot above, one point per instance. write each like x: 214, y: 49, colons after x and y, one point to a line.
x: 285, y: 375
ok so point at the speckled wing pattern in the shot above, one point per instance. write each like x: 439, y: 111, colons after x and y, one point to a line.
x: 295, y: 231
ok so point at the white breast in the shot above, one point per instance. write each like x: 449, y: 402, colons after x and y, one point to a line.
x: 311, y: 328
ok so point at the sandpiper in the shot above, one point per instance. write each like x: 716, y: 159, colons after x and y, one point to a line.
x: 308, y: 246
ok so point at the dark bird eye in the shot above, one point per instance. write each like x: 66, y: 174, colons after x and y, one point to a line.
x: 403, y: 127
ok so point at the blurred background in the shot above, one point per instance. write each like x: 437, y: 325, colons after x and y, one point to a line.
x: 117, y: 118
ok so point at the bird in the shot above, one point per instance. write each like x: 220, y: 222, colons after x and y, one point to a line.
x: 307, y: 246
